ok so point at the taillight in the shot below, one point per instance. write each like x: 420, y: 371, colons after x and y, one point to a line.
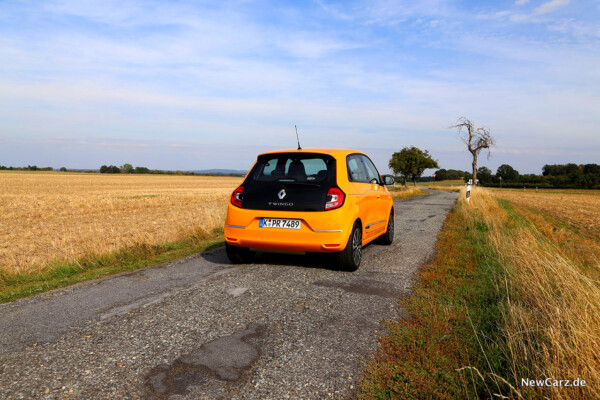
x: 237, y: 196
x: 335, y: 199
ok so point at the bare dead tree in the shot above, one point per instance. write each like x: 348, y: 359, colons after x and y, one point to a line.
x: 475, y: 139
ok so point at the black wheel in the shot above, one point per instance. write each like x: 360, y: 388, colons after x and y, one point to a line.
x: 388, y: 237
x: 239, y: 255
x: 349, y: 259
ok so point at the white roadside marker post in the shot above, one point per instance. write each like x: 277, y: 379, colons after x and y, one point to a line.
x: 468, y: 192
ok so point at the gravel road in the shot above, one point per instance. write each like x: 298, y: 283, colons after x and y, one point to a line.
x: 201, y: 328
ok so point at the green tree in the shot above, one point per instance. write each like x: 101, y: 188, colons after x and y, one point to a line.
x: 507, y: 173
x: 484, y: 175
x: 441, y: 175
x: 63, y: 169
x: 127, y: 168
x: 591, y: 169
x: 410, y: 162
x: 450, y: 174
x: 468, y: 176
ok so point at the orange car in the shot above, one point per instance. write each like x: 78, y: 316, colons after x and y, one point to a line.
x: 310, y: 200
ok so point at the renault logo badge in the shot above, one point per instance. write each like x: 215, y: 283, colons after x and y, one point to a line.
x: 281, y: 194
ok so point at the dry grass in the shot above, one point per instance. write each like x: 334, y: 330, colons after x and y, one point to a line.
x: 446, y: 188
x: 400, y: 192
x: 552, y: 319
x: 49, y: 216
x: 455, y: 183
x: 513, y: 293
x: 579, y: 208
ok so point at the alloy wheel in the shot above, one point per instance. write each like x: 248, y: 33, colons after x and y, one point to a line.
x: 357, y: 246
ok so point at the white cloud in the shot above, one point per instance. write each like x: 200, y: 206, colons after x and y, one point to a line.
x: 334, y: 10
x: 311, y: 45
x: 576, y: 28
x: 521, y: 2
x: 551, y: 6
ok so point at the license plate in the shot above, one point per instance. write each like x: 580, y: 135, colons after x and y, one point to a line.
x: 279, y: 223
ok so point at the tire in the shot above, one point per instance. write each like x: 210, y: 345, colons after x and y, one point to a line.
x: 388, y: 237
x: 349, y: 259
x: 239, y: 255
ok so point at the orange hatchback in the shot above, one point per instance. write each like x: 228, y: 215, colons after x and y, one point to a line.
x: 310, y: 200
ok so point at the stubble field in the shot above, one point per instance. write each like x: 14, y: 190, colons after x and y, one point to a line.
x: 548, y: 242
x: 580, y: 208
x: 63, y: 216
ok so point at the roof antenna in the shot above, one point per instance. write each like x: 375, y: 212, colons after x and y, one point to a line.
x: 299, y: 148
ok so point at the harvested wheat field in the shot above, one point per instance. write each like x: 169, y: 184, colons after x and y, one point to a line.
x: 581, y: 208
x: 405, y: 192
x: 552, y: 314
x: 49, y: 216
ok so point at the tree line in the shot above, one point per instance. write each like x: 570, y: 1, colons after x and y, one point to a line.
x: 30, y: 168
x: 410, y: 163
x: 113, y: 169
x: 124, y: 169
x: 130, y: 169
x: 558, y: 176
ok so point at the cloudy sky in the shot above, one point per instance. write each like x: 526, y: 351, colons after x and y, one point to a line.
x: 194, y: 85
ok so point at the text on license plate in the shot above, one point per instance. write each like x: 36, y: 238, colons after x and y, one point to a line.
x: 279, y: 223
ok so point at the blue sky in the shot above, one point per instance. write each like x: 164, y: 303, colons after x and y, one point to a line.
x: 194, y: 85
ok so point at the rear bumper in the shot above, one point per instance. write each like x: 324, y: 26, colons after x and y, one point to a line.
x: 320, y: 232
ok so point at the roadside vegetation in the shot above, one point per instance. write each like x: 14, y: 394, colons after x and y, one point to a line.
x: 512, y: 294
x: 445, y: 186
x: 457, y: 183
x: 403, y: 192
x: 60, y: 273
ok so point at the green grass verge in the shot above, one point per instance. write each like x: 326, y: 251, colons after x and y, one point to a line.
x: 461, y: 293
x: 60, y: 273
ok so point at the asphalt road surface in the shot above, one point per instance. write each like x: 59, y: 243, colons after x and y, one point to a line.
x: 201, y: 328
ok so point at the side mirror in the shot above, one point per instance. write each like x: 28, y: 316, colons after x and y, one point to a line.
x: 388, y: 179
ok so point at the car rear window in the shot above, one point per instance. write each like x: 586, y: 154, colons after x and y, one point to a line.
x: 295, y: 181
x: 294, y: 168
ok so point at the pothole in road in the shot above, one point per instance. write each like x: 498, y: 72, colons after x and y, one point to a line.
x: 225, y: 358
x: 370, y: 287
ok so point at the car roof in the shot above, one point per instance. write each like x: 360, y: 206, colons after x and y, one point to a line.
x: 335, y: 152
